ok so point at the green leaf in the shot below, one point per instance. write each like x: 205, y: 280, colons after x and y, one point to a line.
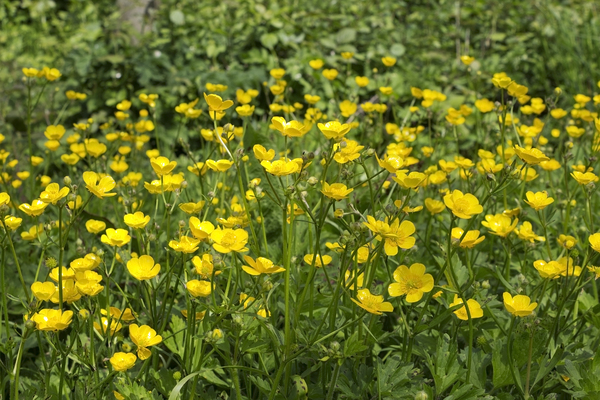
x: 501, y: 372
x: 346, y: 35
x: 177, y: 17
x: 269, y: 40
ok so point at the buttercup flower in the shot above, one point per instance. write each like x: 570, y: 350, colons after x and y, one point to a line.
x: 372, y: 303
x: 35, y: 209
x: 525, y: 232
x: 538, y: 200
x: 584, y: 178
x: 334, y: 129
x: 474, y: 309
x: 136, y: 220
x: 500, y: 224
x: 462, y: 205
x: 319, y: 261
x: 519, y: 305
x: 262, y: 154
x: 336, y: 191
x: 281, y: 167
x: 43, y: 291
x: 395, y: 235
x: 143, y: 337
x: 162, y: 165
x: 199, y: 288
x: 185, y: 244
x: 95, y: 226
x: 228, y: 240
x: 530, y: 156
x: 99, y: 186
x: 411, y: 282
x: 260, y: 266
x: 52, y: 320
x: 116, y: 237
x: 122, y: 361
x: 470, y: 240
x: 204, y: 266
x: 289, y: 129
x: 434, y: 206
x: 216, y: 103
x: 201, y: 229
x: 143, y: 268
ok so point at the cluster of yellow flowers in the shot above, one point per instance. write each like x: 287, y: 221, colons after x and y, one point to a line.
x: 202, y: 213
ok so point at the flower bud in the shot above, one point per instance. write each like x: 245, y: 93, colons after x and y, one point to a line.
x: 67, y: 180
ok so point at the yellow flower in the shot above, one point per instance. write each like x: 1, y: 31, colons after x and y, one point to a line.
x: 347, y: 108
x: 470, y: 240
x: 372, y: 303
x: 95, y: 226
x: 361, y: 81
x: 525, y: 232
x: 463, y: 205
x: 388, y: 61
x: 70, y: 159
x: 137, y: 220
x: 53, y: 132
x: 116, y: 237
x: 262, y: 154
x: 410, y: 181
x: 474, y: 309
x: 289, y: 129
x: 277, y: 73
x: 4, y: 199
x: 538, y: 200
x: 434, y: 206
x: 336, y: 191
x: 52, y: 320
x: 500, y: 224
x: 584, y: 178
x: 192, y: 208
x: 245, y: 111
x: 519, y: 305
x: 566, y: 241
x: 349, y: 279
x: 143, y: 268
x: 319, y: 261
x: 411, y: 282
x: 330, y: 74
x: 347, y: 55
x: 595, y: 241
x: 595, y: 271
x: 334, y: 129
x: 36, y: 208
x: 467, y: 60
x: 350, y: 151
x: 162, y: 165
x: 548, y: 270
x: 204, y: 266
x: 30, y: 72
x: 53, y: 193
x: 530, y: 156
x: 395, y: 235
x: 216, y: 103
x: 185, y: 244
x: 199, y: 288
x: 281, y: 167
x: 123, y: 361
x: 484, y: 105
x: 260, y: 266
x: 201, y: 229
x: 100, y: 187
x: 103, y: 328
x: 88, y: 283
x: 143, y: 337
x: 43, y: 291
x: 228, y: 240
x: 219, y: 165
x: 316, y: 63
x: 386, y: 90
x: 12, y: 223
